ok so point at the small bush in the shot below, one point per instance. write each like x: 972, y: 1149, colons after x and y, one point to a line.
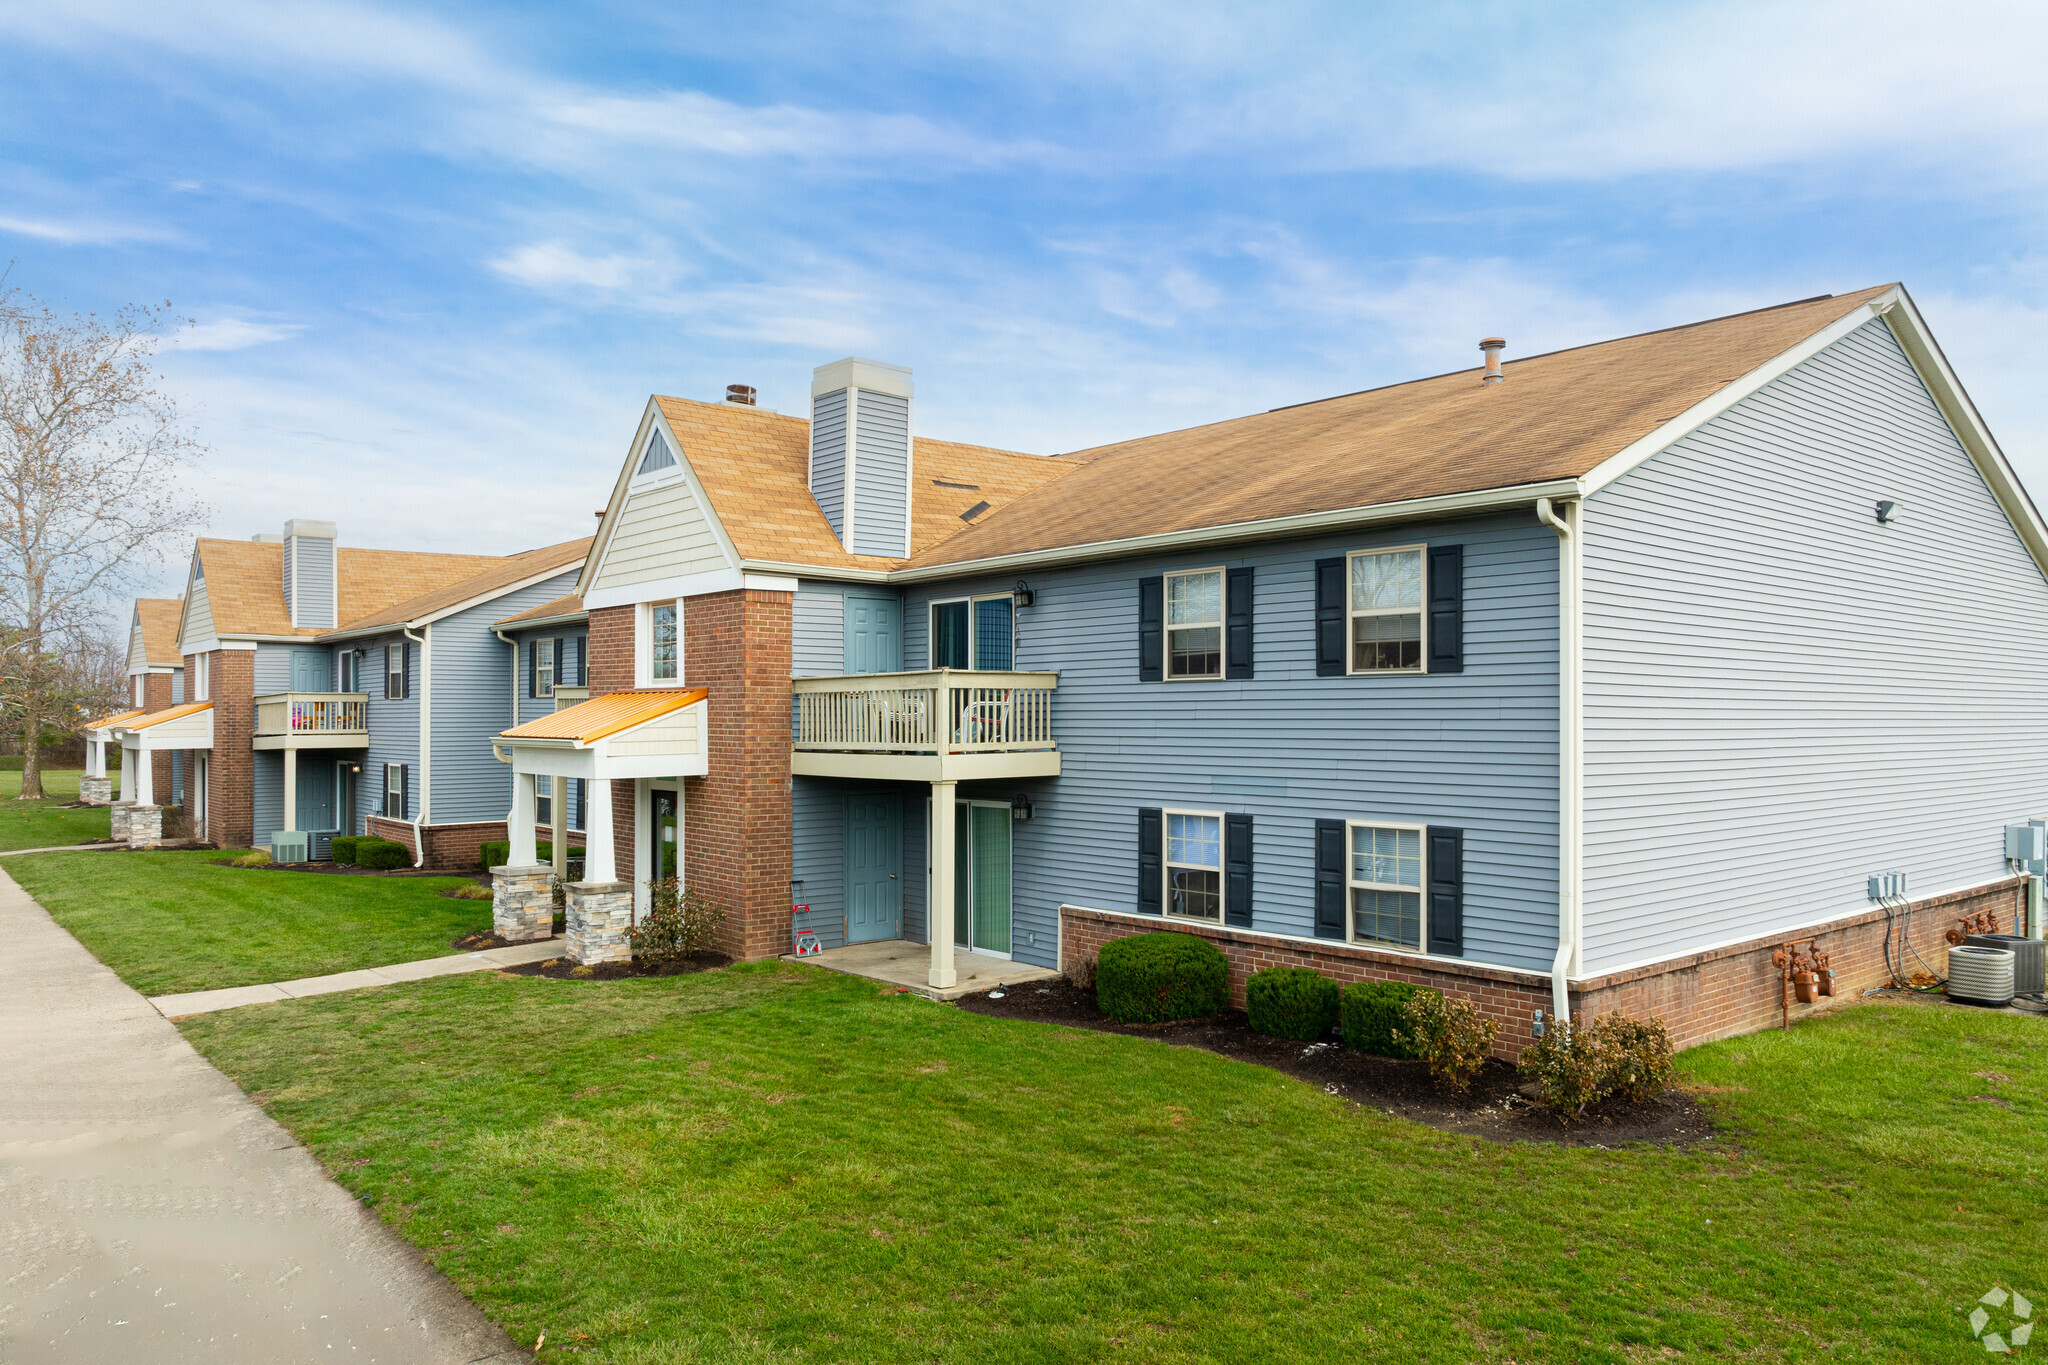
x: 1450, y: 1035
x: 679, y: 922
x: 1572, y: 1066
x: 470, y: 891
x: 495, y: 852
x: 1291, y: 1002
x: 382, y: 854
x: 1157, y: 978
x: 1372, y: 1016
x: 1638, y: 1056
x: 342, y: 848
x: 255, y: 857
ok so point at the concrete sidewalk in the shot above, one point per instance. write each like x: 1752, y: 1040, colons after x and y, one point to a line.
x: 149, y: 1211
x: 62, y: 848
x: 231, y: 997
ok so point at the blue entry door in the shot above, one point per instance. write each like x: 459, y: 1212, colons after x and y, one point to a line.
x: 874, y: 634
x: 316, y: 793
x: 312, y: 670
x: 874, y: 866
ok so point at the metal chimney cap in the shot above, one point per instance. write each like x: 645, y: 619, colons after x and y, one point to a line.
x: 742, y: 394
x: 1493, y: 343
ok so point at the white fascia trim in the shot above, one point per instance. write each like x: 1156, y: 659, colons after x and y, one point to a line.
x: 762, y: 582
x: 249, y: 645
x: 683, y: 586
x: 602, y: 544
x: 540, y: 622
x: 791, y: 572
x: 155, y: 668
x: 1596, y: 971
x: 1728, y: 395
x: 1271, y: 528
x: 1896, y: 308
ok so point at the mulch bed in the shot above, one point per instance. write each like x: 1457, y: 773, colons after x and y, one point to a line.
x: 562, y: 969
x: 1493, y: 1108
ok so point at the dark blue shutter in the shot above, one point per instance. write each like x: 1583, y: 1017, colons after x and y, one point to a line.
x: 1447, y: 609
x: 1446, y: 891
x: 533, y: 668
x: 1151, y: 628
x: 1237, y: 624
x: 1151, y: 835
x: 1330, y: 618
x: 1330, y: 876
x: 582, y: 646
x: 405, y: 677
x: 1237, y: 870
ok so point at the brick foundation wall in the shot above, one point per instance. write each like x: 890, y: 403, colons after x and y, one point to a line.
x: 397, y: 831
x: 156, y: 696
x: 231, y: 771
x: 1700, y: 997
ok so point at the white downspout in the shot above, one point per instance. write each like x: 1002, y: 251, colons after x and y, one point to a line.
x: 1570, y: 757
x: 425, y: 640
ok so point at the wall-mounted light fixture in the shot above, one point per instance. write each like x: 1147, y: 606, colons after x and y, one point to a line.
x: 1020, y: 808
x: 1887, y: 513
x: 1021, y: 595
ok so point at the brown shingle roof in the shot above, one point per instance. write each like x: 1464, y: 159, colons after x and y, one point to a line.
x: 1555, y: 416
x: 245, y: 582
x: 502, y: 574
x: 572, y: 605
x: 159, y: 620
x: 755, y: 467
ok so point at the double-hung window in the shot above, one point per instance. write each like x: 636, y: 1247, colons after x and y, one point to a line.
x: 664, y: 642
x: 1194, y: 865
x: 1386, y: 884
x: 394, y: 672
x: 1385, y: 610
x: 973, y: 632
x: 543, y: 668
x: 394, y: 791
x: 1194, y: 624
x: 544, y: 800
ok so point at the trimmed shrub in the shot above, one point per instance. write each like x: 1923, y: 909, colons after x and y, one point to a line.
x: 679, y: 922
x: 495, y: 852
x: 1372, y: 1016
x: 255, y: 857
x: 1291, y: 1002
x: 1450, y: 1035
x: 342, y: 848
x: 1158, y: 978
x: 1638, y: 1056
x: 382, y: 854
x: 1571, y: 1064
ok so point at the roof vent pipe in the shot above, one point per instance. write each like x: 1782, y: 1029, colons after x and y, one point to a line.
x: 743, y: 394
x: 1493, y: 346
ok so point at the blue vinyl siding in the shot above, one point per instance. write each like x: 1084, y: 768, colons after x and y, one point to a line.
x: 828, y: 457
x: 1782, y: 695
x: 309, y: 591
x: 1476, y: 750
x: 818, y: 808
x: 533, y: 708
x: 272, y: 672
x: 394, y: 728
x: 881, y: 475
x: 818, y: 631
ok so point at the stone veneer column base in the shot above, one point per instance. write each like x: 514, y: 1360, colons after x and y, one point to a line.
x: 117, y: 821
x: 96, y: 791
x: 600, y: 915
x: 145, y: 826
x: 523, y: 902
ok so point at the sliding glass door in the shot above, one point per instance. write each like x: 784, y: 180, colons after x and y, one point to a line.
x: 981, y: 876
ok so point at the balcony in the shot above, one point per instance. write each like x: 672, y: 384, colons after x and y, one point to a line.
x: 313, y: 720
x: 945, y: 725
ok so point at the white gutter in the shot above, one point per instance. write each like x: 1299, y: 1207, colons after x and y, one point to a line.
x: 425, y: 640
x: 1570, y: 754
x: 515, y: 694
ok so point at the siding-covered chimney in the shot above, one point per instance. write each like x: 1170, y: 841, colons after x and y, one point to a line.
x: 861, y: 453
x: 309, y: 573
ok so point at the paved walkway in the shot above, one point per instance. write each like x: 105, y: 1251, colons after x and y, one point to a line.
x: 62, y: 848
x: 149, y: 1211
x: 232, y: 997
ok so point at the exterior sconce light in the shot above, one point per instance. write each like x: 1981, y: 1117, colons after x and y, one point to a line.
x: 1020, y: 808
x: 1887, y: 513
x: 1022, y: 595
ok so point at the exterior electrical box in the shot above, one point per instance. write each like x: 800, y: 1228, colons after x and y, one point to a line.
x: 1887, y: 886
x: 2028, y: 845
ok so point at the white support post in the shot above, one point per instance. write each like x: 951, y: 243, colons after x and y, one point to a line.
x: 598, y: 862
x: 121, y: 787
x: 145, y: 785
x: 523, y: 852
x: 95, y: 758
x: 558, y: 823
x: 940, y: 930
x: 291, y: 789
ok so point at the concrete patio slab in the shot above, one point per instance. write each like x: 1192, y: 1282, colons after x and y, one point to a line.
x: 233, y: 997
x: 898, y: 962
x: 150, y: 1211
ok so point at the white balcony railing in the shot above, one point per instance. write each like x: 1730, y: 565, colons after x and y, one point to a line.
x: 941, y: 711
x: 313, y: 713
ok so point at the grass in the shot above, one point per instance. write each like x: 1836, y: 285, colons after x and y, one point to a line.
x: 45, y: 823
x: 168, y: 922
x: 777, y: 1163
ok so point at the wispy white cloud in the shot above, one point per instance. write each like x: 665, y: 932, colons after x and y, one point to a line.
x: 550, y: 265
x: 231, y: 334
x: 86, y: 232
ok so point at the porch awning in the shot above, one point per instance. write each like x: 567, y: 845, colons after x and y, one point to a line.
x: 618, y: 735
x: 189, y: 726
x: 104, y: 727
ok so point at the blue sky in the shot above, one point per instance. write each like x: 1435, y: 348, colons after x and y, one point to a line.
x: 438, y: 257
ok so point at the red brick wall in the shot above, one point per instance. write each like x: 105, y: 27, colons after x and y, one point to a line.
x: 1700, y: 997
x: 156, y: 696
x: 231, y: 771
x: 611, y: 650
x: 397, y: 831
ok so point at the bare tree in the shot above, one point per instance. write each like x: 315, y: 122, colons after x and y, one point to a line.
x: 92, y: 455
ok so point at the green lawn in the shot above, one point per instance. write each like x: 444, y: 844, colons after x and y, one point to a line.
x: 176, y: 922
x: 45, y: 824
x: 776, y: 1163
